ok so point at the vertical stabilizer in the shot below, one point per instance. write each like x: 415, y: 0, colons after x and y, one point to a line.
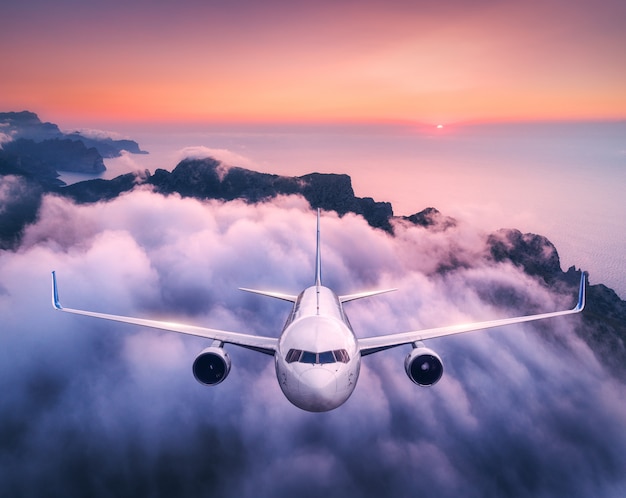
x: 318, y: 256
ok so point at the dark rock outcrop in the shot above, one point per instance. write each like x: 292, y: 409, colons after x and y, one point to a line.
x: 107, y: 147
x: 603, y: 324
x: 44, y: 159
x: 431, y: 218
x: 334, y: 192
x: 101, y: 190
x: 19, y: 205
x: 603, y: 328
x: 534, y: 253
x: 27, y: 125
x: 210, y: 179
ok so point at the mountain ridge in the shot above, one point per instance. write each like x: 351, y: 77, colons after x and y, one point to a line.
x: 42, y: 149
x: 603, y: 325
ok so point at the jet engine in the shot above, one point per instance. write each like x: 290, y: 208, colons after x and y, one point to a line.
x: 423, y: 366
x: 211, y: 366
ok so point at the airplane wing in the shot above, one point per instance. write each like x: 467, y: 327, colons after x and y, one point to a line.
x: 267, y: 345
x: 371, y: 345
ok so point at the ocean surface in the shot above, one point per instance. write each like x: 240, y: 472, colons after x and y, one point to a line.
x: 564, y: 181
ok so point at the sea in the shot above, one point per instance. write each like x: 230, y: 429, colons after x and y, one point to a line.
x: 566, y: 181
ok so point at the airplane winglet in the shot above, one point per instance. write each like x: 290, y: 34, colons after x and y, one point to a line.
x: 55, y: 293
x: 582, y: 293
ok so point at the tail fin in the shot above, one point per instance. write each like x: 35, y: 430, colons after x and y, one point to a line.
x: 318, y: 272
x: 318, y: 256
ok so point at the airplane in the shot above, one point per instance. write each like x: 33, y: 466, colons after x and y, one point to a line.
x: 317, y: 355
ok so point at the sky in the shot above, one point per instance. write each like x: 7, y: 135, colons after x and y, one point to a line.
x: 92, y: 408
x: 92, y: 63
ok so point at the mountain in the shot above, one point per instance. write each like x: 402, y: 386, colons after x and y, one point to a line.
x: 210, y: 179
x: 27, y: 125
x: 28, y: 169
x: 44, y: 159
x: 42, y: 150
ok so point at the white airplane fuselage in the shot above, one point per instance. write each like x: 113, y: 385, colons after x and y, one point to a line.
x: 317, y: 358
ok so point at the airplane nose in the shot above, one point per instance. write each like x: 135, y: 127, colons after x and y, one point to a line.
x: 318, y: 381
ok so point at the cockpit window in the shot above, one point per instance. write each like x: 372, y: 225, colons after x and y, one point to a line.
x: 293, y: 355
x: 326, y: 357
x: 342, y: 355
x: 338, y: 355
x: 308, y: 357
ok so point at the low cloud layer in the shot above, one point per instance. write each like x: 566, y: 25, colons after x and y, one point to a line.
x: 92, y: 408
x: 4, y: 138
x: 227, y: 157
x: 98, y: 134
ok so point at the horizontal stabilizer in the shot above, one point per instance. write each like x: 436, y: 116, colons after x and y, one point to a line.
x: 361, y: 295
x: 275, y: 295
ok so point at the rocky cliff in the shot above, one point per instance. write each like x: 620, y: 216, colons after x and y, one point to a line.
x: 27, y: 125
x: 42, y: 149
x: 28, y: 171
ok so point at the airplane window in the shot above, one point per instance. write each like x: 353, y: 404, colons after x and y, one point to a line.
x: 339, y: 355
x: 326, y: 357
x: 342, y: 355
x: 293, y: 355
x: 308, y: 357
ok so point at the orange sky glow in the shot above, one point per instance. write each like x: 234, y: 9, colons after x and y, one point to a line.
x: 343, y: 61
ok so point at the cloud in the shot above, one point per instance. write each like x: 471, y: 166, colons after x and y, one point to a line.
x: 19, y: 203
x: 92, y: 408
x: 5, y: 138
x: 226, y: 157
x: 98, y: 134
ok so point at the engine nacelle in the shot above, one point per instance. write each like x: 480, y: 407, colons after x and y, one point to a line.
x: 211, y: 366
x: 423, y: 366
